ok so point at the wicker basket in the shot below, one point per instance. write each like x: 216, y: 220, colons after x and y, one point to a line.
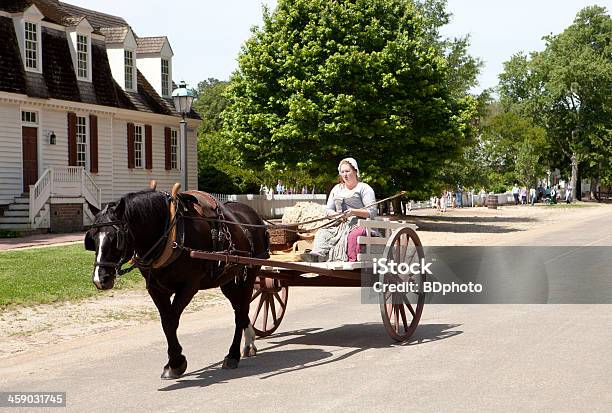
x: 283, y: 236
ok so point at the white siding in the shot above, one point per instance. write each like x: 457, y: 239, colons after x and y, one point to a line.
x: 57, y: 155
x: 150, y: 67
x: 10, y: 153
x: 192, y: 160
x: 54, y: 155
x: 104, y: 177
x: 130, y: 180
x: 113, y: 177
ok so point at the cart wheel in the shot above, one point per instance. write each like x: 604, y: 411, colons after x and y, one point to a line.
x: 268, y: 305
x: 401, y: 311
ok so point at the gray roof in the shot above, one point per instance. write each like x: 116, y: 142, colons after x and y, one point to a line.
x: 96, y: 19
x: 150, y: 44
x: 114, y: 34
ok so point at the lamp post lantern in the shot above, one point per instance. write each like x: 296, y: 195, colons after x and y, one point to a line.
x: 183, y: 98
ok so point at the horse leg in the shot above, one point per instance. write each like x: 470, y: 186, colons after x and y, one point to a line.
x: 249, y: 348
x: 240, y: 297
x: 170, y: 313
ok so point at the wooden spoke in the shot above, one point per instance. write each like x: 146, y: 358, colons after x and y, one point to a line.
x: 265, y: 314
x: 404, y: 246
x: 272, y: 309
x: 256, y: 294
x: 280, y: 301
x: 261, y: 301
x: 407, y: 304
x: 272, y: 296
x: 396, y: 317
x: 403, y: 314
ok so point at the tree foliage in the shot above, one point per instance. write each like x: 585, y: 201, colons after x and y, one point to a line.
x: 219, y: 170
x: 322, y: 80
x: 566, y: 89
x: 514, y: 149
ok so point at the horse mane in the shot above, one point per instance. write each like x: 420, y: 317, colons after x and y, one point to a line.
x: 144, y: 209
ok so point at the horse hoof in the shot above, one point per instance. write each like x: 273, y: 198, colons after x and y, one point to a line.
x: 229, y: 364
x: 249, y: 351
x: 170, y: 374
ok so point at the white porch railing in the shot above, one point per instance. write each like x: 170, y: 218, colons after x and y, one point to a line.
x: 40, y: 193
x: 63, y: 181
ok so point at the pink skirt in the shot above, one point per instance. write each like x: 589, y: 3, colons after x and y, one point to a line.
x: 352, y: 248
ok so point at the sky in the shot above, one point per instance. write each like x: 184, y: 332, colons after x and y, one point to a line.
x: 206, y: 35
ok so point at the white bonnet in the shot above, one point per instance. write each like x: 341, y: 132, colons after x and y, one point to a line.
x: 351, y: 161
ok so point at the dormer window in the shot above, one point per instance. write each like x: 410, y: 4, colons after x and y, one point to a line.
x: 165, y: 77
x: 82, y: 56
x: 79, y: 34
x: 129, y: 69
x: 32, y: 41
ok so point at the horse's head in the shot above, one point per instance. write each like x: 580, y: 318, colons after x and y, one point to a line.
x: 107, y: 237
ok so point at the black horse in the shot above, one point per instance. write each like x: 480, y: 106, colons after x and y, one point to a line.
x: 136, y: 229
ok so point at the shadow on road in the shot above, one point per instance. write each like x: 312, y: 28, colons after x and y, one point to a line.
x: 468, y: 224
x: 274, y: 360
x: 462, y: 228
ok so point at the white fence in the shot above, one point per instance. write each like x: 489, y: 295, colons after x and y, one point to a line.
x: 272, y: 206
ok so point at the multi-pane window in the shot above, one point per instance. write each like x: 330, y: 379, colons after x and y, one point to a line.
x: 81, y: 140
x: 173, y: 149
x: 31, y: 45
x: 138, y: 146
x: 82, y: 54
x: 129, y: 69
x: 165, y: 77
x: 28, y: 117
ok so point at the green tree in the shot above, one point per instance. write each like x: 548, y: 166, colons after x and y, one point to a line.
x: 513, y: 149
x: 566, y: 89
x: 219, y: 168
x: 210, y: 103
x: 322, y: 80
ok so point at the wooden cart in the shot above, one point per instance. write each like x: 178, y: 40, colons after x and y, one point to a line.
x: 398, y: 241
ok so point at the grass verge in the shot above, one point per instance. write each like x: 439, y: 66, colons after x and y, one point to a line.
x: 52, y: 274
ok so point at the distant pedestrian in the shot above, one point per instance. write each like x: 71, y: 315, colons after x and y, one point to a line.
x: 459, y: 195
x: 568, y: 194
x: 524, y: 196
x: 280, y: 189
x: 532, y: 195
x: 515, y: 193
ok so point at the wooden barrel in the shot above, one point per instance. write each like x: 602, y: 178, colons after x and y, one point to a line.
x: 492, y: 201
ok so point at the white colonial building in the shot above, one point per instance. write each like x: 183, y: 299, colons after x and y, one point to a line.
x: 86, y: 114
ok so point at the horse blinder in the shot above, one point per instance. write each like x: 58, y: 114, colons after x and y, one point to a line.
x: 90, y: 244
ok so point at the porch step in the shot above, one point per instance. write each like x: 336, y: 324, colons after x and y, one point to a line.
x: 22, y: 200
x: 22, y: 212
x: 19, y: 207
x: 15, y: 227
x: 15, y: 220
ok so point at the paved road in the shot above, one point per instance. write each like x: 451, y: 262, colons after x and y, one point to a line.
x: 332, y: 354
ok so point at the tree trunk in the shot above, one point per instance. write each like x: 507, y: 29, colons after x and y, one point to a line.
x: 594, y: 188
x: 397, y: 208
x: 574, y: 175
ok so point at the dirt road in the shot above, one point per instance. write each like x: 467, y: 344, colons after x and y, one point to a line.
x: 331, y: 353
